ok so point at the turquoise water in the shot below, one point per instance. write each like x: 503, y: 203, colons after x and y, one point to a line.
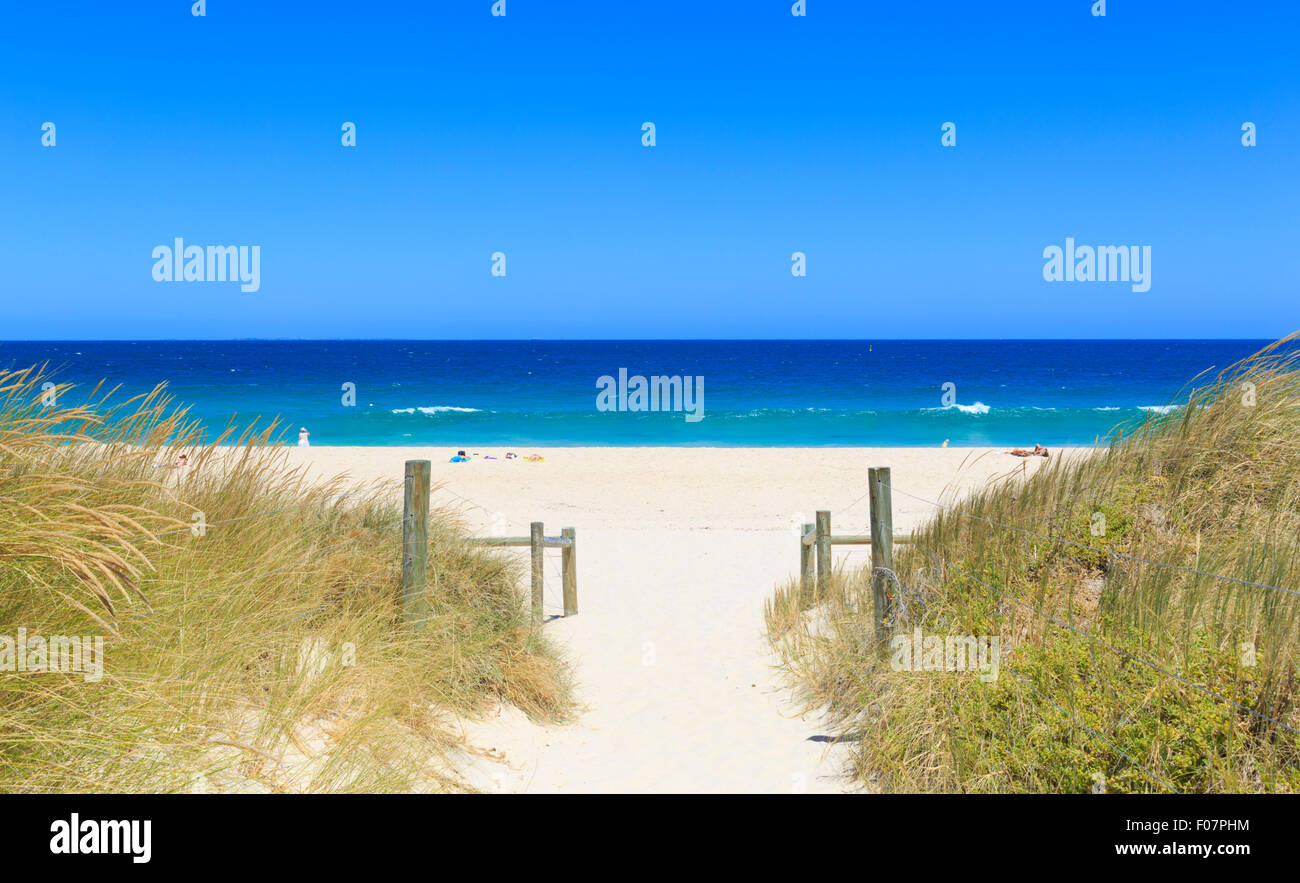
x: 755, y: 393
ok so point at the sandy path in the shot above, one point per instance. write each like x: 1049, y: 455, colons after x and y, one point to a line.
x: 678, y: 549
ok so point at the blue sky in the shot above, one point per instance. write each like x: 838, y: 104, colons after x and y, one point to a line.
x: 775, y: 134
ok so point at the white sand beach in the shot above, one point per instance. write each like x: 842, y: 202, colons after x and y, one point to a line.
x: 678, y: 548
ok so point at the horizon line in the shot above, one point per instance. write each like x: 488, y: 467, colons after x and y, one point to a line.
x: 868, y: 340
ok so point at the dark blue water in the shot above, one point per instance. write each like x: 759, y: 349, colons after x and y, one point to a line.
x: 458, y: 393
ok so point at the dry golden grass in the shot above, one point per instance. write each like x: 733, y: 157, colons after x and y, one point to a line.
x: 1212, y: 488
x: 261, y: 653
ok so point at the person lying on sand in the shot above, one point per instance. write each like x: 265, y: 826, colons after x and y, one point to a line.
x: 1038, y: 451
x: 460, y: 457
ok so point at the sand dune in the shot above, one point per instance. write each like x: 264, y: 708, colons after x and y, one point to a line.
x: 677, y: 550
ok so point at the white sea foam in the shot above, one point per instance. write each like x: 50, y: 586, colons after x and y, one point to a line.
x: 1158, y: 409
x: 436, y: 409
x: 977, y: 408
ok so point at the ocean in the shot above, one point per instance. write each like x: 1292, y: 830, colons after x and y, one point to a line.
x: 754, y: 393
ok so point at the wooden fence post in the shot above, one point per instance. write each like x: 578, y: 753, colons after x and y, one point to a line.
x: 823, y: 550
x: 414, y: 601
x: 569, y: 567
x: 538, y: 550
x: 882, y: 543
x: 805, y: 564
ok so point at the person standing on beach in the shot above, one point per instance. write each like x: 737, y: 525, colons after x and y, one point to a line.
x: 303, y: 441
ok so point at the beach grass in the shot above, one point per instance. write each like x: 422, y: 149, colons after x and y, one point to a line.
x: 250, y: 631
x: 1145, y: 598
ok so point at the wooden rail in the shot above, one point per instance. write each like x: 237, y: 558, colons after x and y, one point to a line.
x: 848, y: 539
x: 562, y: 542
x: 816, y: 542
x: 538, y: 542
x: 413, y: 599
